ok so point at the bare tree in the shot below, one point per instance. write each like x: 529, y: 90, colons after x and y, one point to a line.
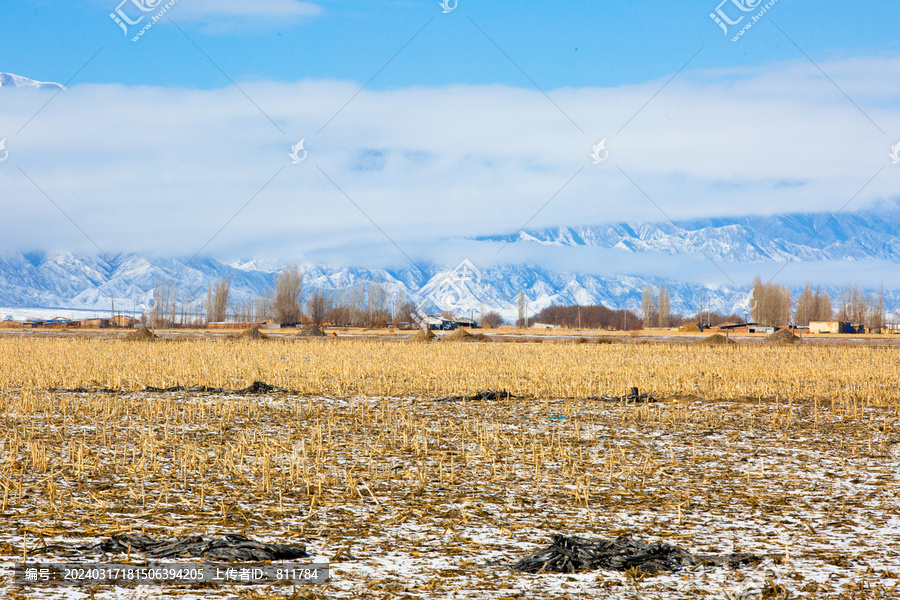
x: 187, y: 301
x: 172, y: 306
x: 482, y: 308
x: 491, y: 319
x: 377, y: 313
x: 878, y: 320
x: 665, y: 306
x: 520, y: 302
x: 217, y: 300
x: 399, y: 301
x: 340, y: 310
x: 315, y: 307
x: 262, y: 309
x: 358, y: 304
x: 648, y: 306
x: 824, y: 310
x: 859, y: 308
x: 288, y: 289
x: 164, y: 310
x: 855, y: 307
x: 812, y: 306
x: 771, y: 303
x: 405, y: 314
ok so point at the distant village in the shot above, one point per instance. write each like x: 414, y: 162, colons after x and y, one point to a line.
x: 114, y: 322
x: 449, y: 323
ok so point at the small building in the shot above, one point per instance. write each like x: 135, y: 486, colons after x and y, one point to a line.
x: 122, y: 321
x: 732, y: 328
x: 56, y: 323
x: 95, y: 323
x: 464, y: 322
x: 432, y: 323
x: 236, y: 325
x: 754, y: 328
x: 447, y: 324
x: 830, y: 327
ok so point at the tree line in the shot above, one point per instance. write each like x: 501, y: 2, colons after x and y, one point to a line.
x: 770, y: 304
x: 373, y: 304
x: 366, y: 304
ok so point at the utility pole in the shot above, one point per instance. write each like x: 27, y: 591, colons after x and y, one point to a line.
x: 579, y: 316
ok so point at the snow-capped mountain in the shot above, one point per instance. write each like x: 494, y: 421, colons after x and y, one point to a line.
x: 127, y: 282
x: 17, y: 81
x: 68, y: 281
x: 807, y: 237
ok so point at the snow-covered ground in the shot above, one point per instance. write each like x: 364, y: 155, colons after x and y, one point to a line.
x: 428, y: 499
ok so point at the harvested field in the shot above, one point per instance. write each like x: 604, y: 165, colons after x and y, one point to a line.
x: 409, y: 497
x: 375, y: 368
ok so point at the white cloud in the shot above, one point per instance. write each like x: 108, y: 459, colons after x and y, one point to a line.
x: 224, y: 16
x: 257, y: 8
x: 161, y: 170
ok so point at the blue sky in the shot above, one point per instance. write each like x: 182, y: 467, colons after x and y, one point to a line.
x: 474, y: 122
x: 576, y: 43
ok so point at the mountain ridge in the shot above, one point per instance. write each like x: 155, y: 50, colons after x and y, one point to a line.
x: 66, y: 281
x: 801, y: 236
x: 17, y: 81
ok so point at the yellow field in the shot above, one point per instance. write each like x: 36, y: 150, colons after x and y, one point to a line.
x: 373, y: 368
x: 764, y: 449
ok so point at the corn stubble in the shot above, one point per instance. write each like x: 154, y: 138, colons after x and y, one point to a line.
x: 866, y: 376
x: 760, y: 449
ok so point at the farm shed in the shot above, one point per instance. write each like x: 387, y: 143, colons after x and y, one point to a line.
x: 761, y: 329
x: 446, y: 324
x: 95, y: 323
x: 735, y: 327
x: 829, y: 327
x: 235, y: 325
x: 122, y: 321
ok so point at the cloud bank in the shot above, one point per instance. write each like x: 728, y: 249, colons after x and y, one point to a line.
x: 392, y: 175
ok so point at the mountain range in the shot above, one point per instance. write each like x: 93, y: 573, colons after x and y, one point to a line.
x: 127, y: 280
x: 805, y: 237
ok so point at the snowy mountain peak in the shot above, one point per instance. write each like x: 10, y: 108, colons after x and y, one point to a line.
x: 91, y: 283
x: 17, y: 81
x: 810, y: 237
